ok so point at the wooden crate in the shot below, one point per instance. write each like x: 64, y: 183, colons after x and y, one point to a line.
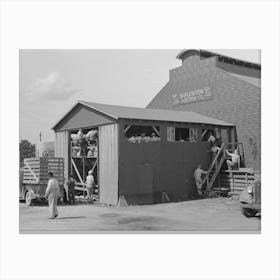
x: 35, y: 170
x: 237, y: 180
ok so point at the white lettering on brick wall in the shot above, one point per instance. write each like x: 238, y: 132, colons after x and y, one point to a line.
x: 192, y: 96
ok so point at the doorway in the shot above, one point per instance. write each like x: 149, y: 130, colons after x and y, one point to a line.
x: 84, y: 157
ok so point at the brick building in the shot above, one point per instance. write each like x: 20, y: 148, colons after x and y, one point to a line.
x: 220, y: 87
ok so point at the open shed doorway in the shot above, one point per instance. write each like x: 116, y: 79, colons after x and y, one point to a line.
x: 84, y: 146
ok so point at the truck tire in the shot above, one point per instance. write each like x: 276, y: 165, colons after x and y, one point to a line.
x: 247, y: 212
x: 28, y: 198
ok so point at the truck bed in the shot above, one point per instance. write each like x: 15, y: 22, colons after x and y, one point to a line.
x: 35, y: 170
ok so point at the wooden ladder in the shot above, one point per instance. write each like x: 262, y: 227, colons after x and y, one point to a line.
x: 214, y: 169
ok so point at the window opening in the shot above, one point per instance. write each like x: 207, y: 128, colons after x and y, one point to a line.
x: 181, y: 134
x: 142, y: 134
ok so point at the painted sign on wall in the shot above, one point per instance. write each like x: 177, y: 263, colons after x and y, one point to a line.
x: 202, y: 94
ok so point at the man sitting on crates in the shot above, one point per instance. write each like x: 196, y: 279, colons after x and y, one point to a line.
x: 234, y: 163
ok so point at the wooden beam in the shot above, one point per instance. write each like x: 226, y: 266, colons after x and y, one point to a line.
x: 32, y: 172
x: 94, y: 165
x: 157, y: 132
x: 203, y: 133
x: 127, y: 128
x: 77, y: 172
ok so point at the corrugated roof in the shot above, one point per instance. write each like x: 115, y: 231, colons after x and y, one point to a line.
x: 189, y: 52
x: 123, y: 112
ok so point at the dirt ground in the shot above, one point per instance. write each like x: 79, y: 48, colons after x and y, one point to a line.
x: 203, y: 216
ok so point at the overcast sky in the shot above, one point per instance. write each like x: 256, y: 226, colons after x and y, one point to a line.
x: 51, y: 81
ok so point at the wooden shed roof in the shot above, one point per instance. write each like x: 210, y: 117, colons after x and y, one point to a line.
x: 124, y: 112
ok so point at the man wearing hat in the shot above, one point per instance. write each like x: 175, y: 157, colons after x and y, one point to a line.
x: 90, y: 185
x: 71, y: 189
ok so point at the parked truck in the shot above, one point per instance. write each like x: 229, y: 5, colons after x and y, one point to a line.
x: 250, y: 199
x: 34, y: 178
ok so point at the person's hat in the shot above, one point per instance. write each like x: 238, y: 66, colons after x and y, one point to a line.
x: 90, y: 172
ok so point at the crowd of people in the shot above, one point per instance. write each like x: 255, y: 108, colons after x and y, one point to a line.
x: 52, y: 192
x: 143, y: 138
x: 85, y: 144
x: 215, y: 143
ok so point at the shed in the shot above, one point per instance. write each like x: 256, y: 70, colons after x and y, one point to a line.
x: 142, y: 155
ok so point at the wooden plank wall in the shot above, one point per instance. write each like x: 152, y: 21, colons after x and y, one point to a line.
x: 172, y: 163
x: 108, y: 164
x: 62, y: 149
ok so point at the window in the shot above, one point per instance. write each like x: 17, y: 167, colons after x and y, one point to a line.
x: 181, y: 134
x: 142, y: 134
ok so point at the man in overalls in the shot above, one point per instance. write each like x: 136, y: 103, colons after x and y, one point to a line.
x: 71, y: 189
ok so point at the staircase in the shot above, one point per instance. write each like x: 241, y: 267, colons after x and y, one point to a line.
x: 227, y: 182
x: 214, y: 170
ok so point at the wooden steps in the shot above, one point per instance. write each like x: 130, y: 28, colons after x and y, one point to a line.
x: 214, y: 169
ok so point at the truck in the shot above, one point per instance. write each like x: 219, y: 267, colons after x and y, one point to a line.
x: 250, y: 199
x: 33, y: 178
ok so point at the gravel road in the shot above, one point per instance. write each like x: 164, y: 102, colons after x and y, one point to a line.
x: 203, y: 216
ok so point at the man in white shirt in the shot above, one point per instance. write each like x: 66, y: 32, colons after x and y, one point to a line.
x: 211, y: 138
x: 80, y: 135
x: 90, y: 185
x: 51, y: 195
x: 235, y: 160
x: 154, y: 137
x: 198, y: 178
x: 132, y: 139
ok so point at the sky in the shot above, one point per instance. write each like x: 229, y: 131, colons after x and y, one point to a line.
x: 52, y: 81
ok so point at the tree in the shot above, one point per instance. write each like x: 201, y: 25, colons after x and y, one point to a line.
x: 26, y: 150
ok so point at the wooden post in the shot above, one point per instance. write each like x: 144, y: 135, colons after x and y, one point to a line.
x: 84, y: 172
x: 127, y: 128
x: 83, y: 160
x: 71, y: 152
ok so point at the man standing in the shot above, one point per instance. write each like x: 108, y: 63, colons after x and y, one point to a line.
x: 71, y: 189
x: 198, y: 178
x: 51, y: 195
x: 90, y: 185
